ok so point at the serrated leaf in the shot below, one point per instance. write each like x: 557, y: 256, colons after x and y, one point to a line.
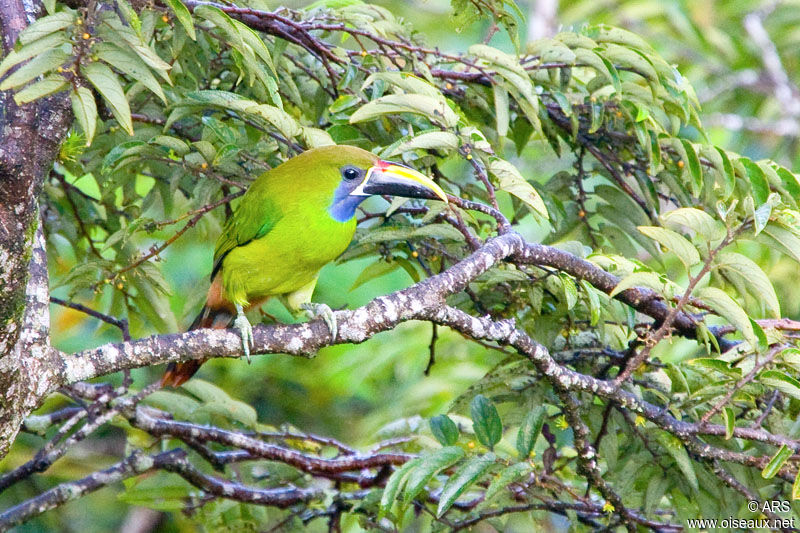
x: 501, y: 108
x: 444, y: 429
x: 85, y: 111
x: 529, y: 431
x: 107, y: 84
x: 727, y: 308
x: 675, y: 242
x: 796, y: 487
x: 506, y: 477
x: 780, y: 381
x: 49, y: 85
x: 435, y: 109
x: 730, y: 422
x: 183, y: 16
x: 774, y: 465
x: 570, y: 289
x: 430, y: 464
x: 696, y: 220
x: 375, y: 270
x: 15, y: 57
x: 757, y: 281
x: 395, y: 483
x: 639, y: 279
x: 38, y: 66
x: 486, y: 421
x: 47, y: 25
x: 432, y: 140
x: 438, y: 231
x: 758, y: 181
x: 675, y: 448
x: 511, y: 181
x: 130, y: 64
x: 470, y: 472
x: 407, y: 82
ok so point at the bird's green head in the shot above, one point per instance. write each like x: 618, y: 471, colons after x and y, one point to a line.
x: 352, y: 174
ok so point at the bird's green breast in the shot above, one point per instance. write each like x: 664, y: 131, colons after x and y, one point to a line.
x: 287, y: 258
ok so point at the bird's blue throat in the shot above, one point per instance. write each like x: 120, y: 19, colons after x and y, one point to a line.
x: 344, y: 205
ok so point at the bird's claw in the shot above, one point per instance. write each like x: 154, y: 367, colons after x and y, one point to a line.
x: 323, y: 311
x: 246, y: 330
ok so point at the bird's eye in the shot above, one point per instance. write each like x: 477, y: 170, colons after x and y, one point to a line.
x: 350, y: 173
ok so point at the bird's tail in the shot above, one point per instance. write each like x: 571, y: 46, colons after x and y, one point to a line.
x: 179, y: 373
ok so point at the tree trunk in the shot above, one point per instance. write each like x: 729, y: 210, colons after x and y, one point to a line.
x: 30, y: 136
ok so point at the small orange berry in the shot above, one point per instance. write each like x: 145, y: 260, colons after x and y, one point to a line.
x: 86, y: 36
x: 448, y: 85
x: 165, y: 18
x: 204, y: 166
x: 415, y: 254
x: 363, y: 53
x: 680, y: 164
x: 119, y: 286
x: 582, y: 213
x: 471, y: 444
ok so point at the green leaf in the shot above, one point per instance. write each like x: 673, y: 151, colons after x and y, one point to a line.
x: 438, y: 231
x: 730, y: 422
x: 570, y: 290
x: 486, y: 421
x: 780, y: 381
x: 405, y: 81
x: 777, y: 461
x: 693, y: 163
x: 511, y: 181
x: 38, y: 66
x: 758, y: 181
x: 757, y: 282
x: 796, y: 487
x: 430, y: 464
x: 435, y: 109
x: 433, y: 140
x: 395, y: 483
x: 444, y: 429
x: 501, y: 107
x: 47, y: 25
x: 674, y: 242
x: 176, y: 404
x: 130, y: 64
x: 49, y: 85
x: 506, y: 477
x: 675, y: 448
x: 639, y: 279
x: 107, y: 84
x: 85, y: 111
x: 470, y: 472
x: 217, y: 400
x: 529, y: 431
x: 183, y: 16
x: 696, y: 220
x: 727, y: 308
x: 15, y: 57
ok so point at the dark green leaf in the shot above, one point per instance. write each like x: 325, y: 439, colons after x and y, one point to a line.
x: 444, y: 429
x: 486, y: 421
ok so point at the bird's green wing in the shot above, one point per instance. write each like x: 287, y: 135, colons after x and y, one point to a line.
x: 255, y: 216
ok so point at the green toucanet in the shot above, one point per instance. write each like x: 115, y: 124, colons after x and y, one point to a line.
x: 292, y: 221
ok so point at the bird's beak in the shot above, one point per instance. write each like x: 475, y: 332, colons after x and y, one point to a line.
x: 390, y: 178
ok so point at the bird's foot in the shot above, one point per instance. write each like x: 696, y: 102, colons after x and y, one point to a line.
x: 245, y: 329
x: 315, y: 310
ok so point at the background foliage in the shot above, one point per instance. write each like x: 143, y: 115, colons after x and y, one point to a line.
x: 664, y: 154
